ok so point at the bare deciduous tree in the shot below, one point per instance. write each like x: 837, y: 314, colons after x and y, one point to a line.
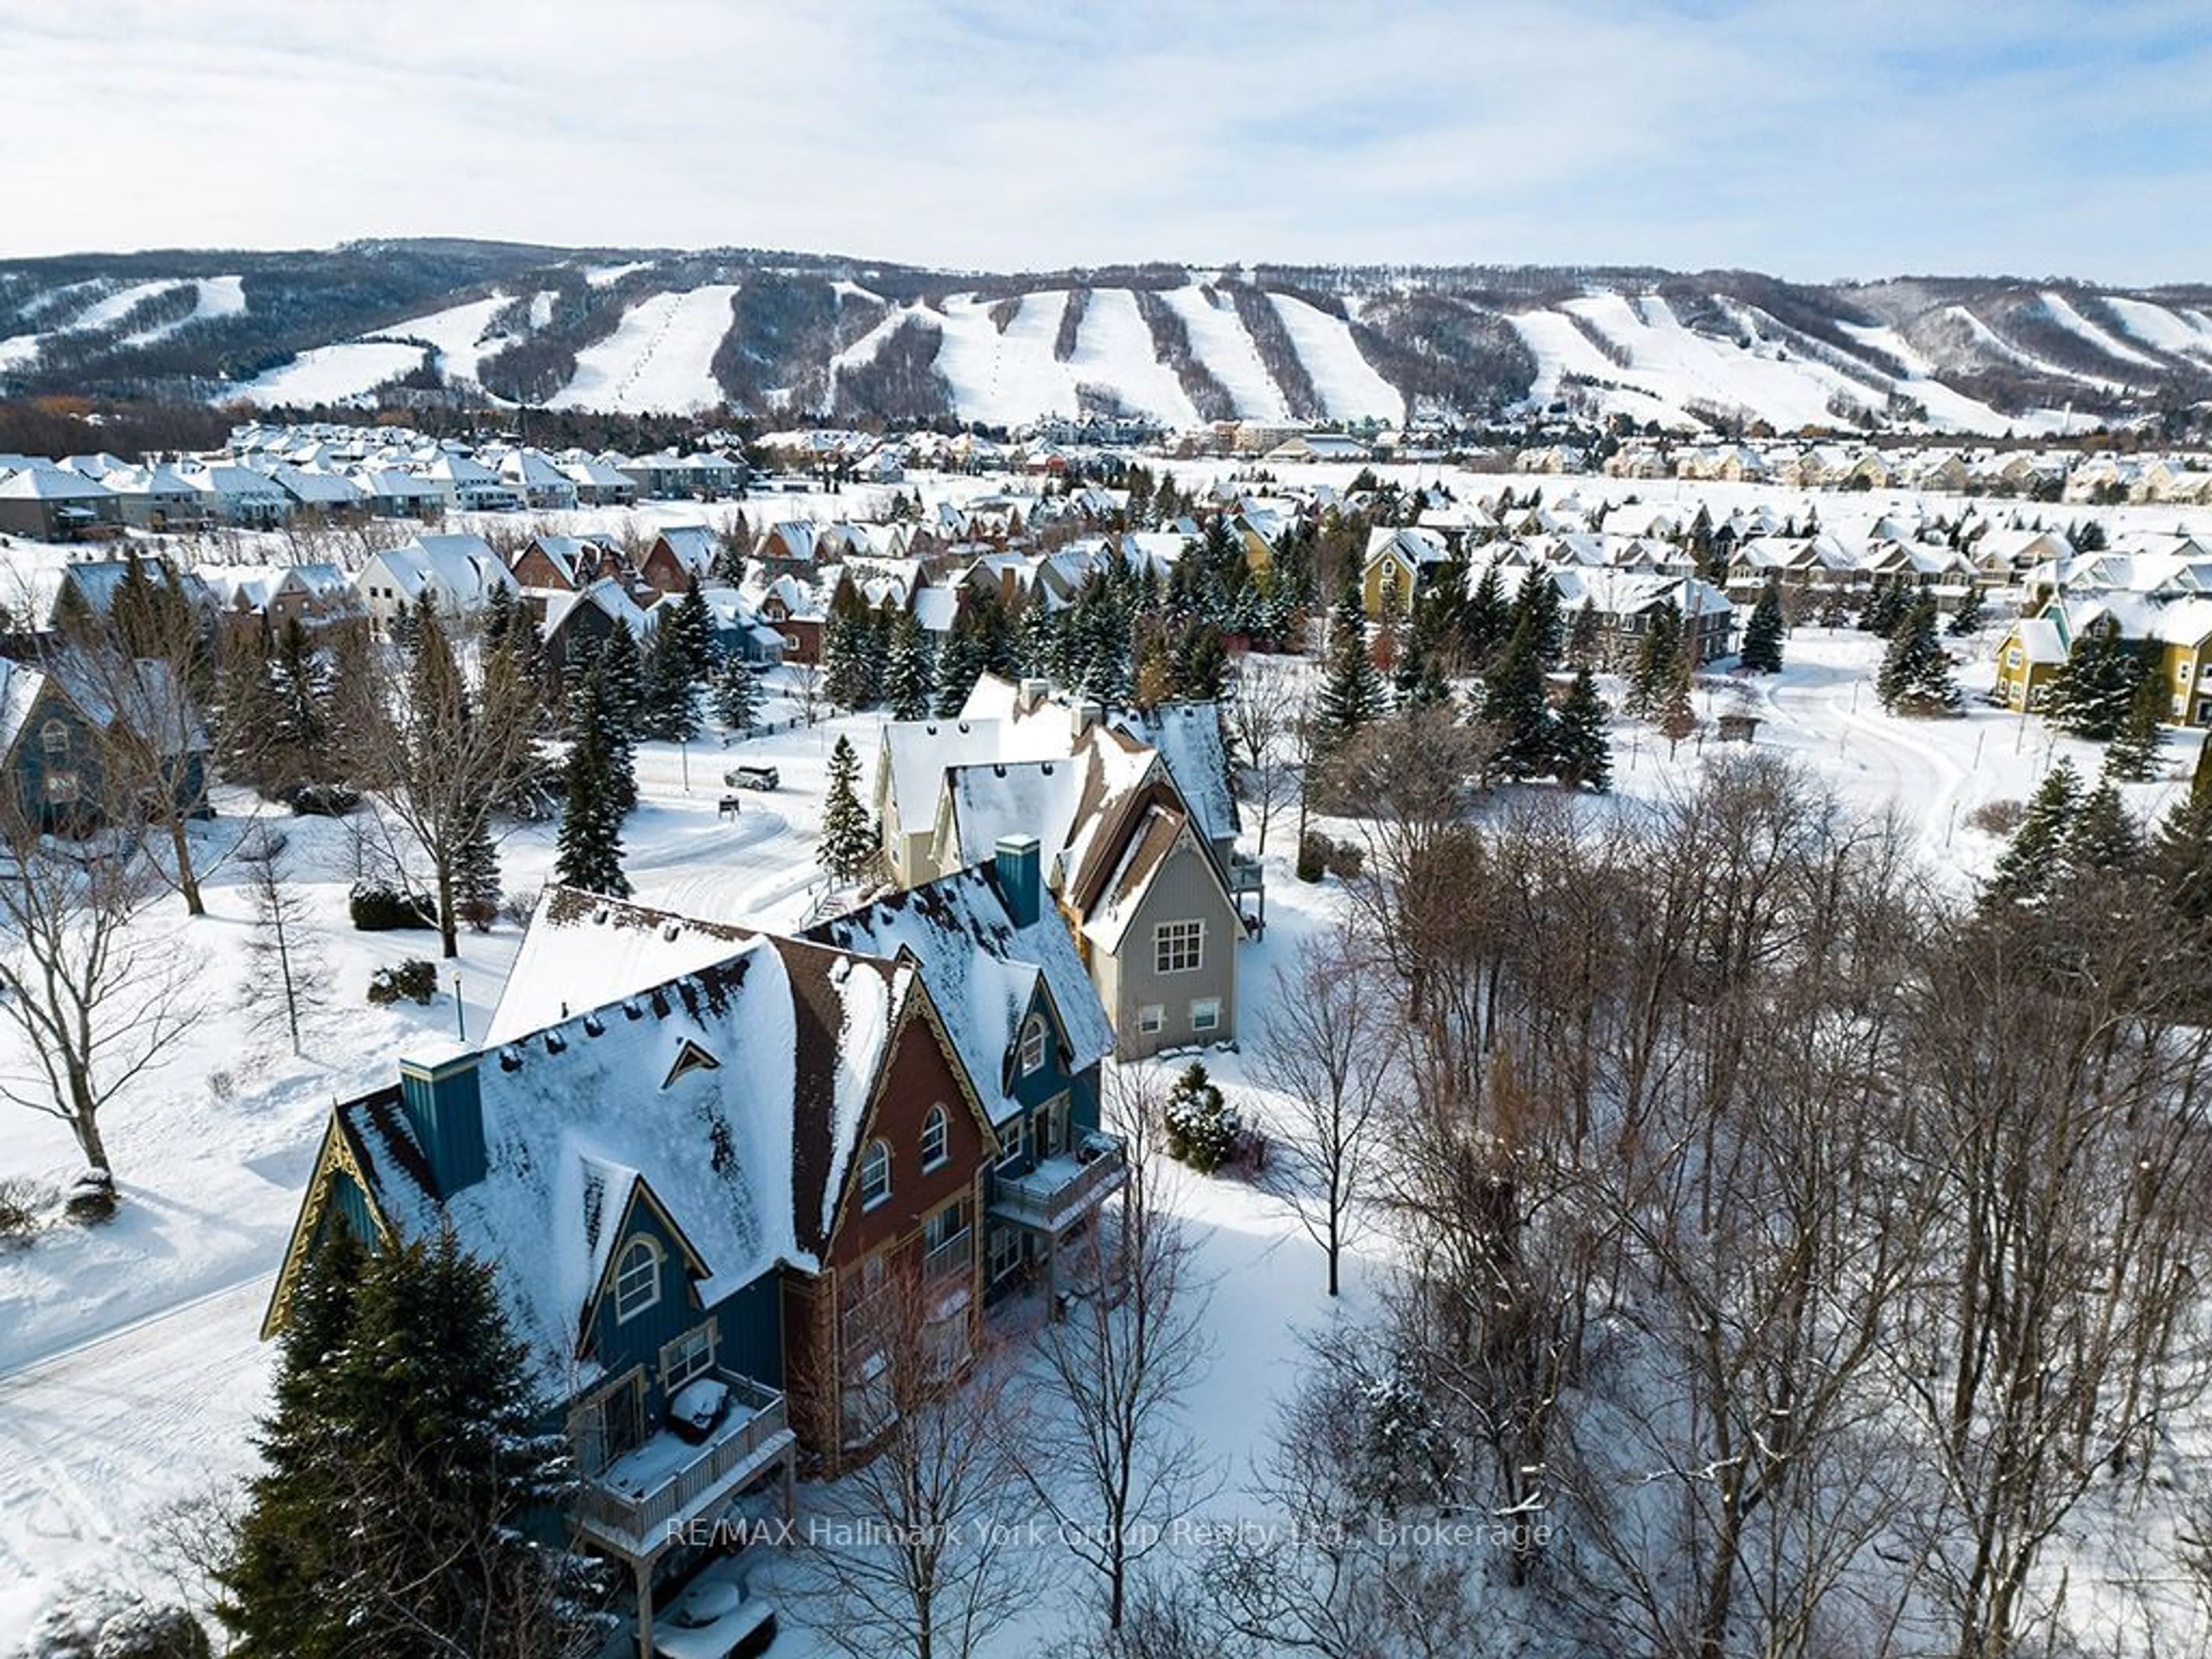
x: 1111, y: 1457
x: 98, y: 997
x: 1261, y: 717
x: 282, y: 943
x: 1328, y: 1042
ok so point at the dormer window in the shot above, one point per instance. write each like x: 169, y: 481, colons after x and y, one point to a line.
x: 875, y: 1175
x: 54, y: 739
x: 690, y: 1057
x: 934, y: 1130
x: 1033, y: 1045
x: 637, y: 1281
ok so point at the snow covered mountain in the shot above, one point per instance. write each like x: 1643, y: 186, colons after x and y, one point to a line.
x: 789, y: 335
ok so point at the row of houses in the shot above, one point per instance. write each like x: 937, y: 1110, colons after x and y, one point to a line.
x: 2044, y: 474
x: 2151, y: 591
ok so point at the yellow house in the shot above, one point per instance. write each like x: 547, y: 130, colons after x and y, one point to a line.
x: 1399, y: 564
x: 2031, y: 656
x: 2179, y: 634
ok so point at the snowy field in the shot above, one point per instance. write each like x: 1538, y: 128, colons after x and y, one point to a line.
x: 659, y: 356
x: 131, y: 1371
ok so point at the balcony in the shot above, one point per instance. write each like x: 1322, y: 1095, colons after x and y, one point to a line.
x: 630, y: 1505
x: 951, y: 1259
x: 1061, y: 1189
x: 1246, y: 874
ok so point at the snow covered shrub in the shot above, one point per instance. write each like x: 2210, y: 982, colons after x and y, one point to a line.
x: 1997, y: 817
x: 379, y: 910
x: 415, y: 979
x: 321, y: 800
x: 115, y: 1624
x: 1202, y: 1128
x: 1314, y: 850
x: 92, y: 1198
x: 22, y: 1201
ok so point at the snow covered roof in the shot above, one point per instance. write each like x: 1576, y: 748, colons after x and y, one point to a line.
x: 746, y: 1150
x: 43, y: 481
x: 982, y: 972
x: 1188, y: 736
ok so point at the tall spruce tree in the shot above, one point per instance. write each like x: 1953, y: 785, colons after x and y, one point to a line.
x: 849, y: 840
x: 2179, y: 857
x: 620, y: 667
x: 1915, y: 678
x: 690, y: 626
x: 1584, y: 755
x: 1537, y: 603
x: 736, y: 695
x: 477, y: 879
x: 1486, y: 620
x: 1513, y: 704
x: 588, y: 849
x: 2029, y: 865
x: 909, y: 671
x: 1762, y: 636
x: 406, y: 1475
x: 2133, y: 756
x: 1657, y: 658
x: 1352, y: 691
x: 672, y: 701
x: 2104, y: 834
x: 1967, y: 619
x: 2092, y: 692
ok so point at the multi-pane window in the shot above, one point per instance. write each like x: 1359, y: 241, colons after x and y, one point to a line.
x: 689, y: 1356
x: 1152, y: 1018
x: 934, y: 1129
x: 1033, y: 1045
x: 1205, y: 1015
x: 637, y: 1281
x: 1178, y: 947
x: 1010, y: 1142
x: 875, y: 1175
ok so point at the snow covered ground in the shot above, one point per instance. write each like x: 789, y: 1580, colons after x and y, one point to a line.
x: 659, y: 357
x: 131, y: 1371
x: 457, y: 333
x: 218, y: 296
x: 331, y: 373
x: 1218, y: 339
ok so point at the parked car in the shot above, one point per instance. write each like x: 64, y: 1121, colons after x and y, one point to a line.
x: 716, y: 1616
x: 752, y: 777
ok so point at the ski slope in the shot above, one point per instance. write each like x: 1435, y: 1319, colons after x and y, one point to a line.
x: 457, y: 333
x: 1004, y: 379
x: 1350, y: 388
x: 219, y: 297
x: 659, y: 359
x: 330, y: 374
x: 1114, y: 348
x: 1218, y: 339
x: 2178, y: 332
x: 106, y: 312
x: 2081, y: 327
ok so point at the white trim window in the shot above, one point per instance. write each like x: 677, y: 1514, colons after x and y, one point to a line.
x: 1012, y: 1138
x: 689, y: 1357
x: 1178, y: 947
x: 1205, y: 1014
x: 935, y: 1130
x: 1151, y: 1019
x: 875, y: 1175
x: 1005, y: 1252
x: 637, y: 1280
x: 1033, y: 1035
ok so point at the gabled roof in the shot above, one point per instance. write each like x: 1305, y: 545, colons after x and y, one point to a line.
x: 983, y: 972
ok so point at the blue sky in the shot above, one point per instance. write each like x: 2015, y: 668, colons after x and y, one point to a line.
x: 1870, y: 138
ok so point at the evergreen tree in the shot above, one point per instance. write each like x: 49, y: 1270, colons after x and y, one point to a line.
x: 1513, y: 703
x: 1657, y: 655
x: 588, y: 849
x: 1486, y: 619
x: 1916, y: 675
x: 909, y: 671
x: 1537, y: 603
x: 499, y: 614
x: 1585, y: 758
x: 1352, y: 691
x: 2025, y: 869
x: 2092, y: 694
x: 672, y: 701
x: 736, y: 694
x: 1888, y: 606
x: 403, y: 1464
x: 1583, y: 636
x: 1762, y: 636
x: 2133, y: 756
x: 959, y: 666
x: 2180, y: 854
x: 620, y: 668
x: 476, y: 879
x: 245, y: 715
x: 849, y: 840
x: 2103, y: 835
x: 1968, y: 618
x: 691, y: 630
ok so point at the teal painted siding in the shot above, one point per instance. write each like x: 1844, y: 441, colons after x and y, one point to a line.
x: 445, y: 1106
x: 1048, y: 1083
x: 619, y: 1343
x: 349, y: 1205
x: 751, y: 1338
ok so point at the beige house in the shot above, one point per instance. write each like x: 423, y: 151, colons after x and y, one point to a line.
x: 1142, y: 867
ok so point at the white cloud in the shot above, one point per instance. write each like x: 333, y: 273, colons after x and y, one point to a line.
x: 1808, y: 139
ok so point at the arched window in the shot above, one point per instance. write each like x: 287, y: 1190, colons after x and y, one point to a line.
x: 933, y: 1129
x: 637, y: 1280
x: 1033, y: 1045
x: 875, y: 1175
x: 54, y: 737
